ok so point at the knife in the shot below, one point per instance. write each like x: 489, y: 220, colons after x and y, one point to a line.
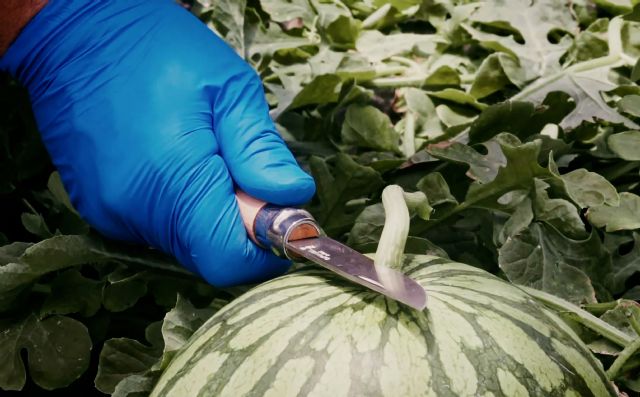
x: 293, y: 233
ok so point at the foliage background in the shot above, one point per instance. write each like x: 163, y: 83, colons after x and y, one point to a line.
x: 518, y: 119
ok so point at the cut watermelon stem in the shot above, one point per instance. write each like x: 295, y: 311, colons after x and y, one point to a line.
x: 390, y: 251
x: 397, y: 204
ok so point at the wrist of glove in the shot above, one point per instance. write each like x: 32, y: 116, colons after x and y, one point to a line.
x: 152, y: 122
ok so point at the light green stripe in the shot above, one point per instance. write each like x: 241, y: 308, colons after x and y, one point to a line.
x: 273, y: 318
x: 197, y: 376
x: 523, y: 349
x: 284, y: 294
x: 493, y: 287
x: 452, y: 269
x: 454, y: 333
x: 562, y: 325
x: 510, y: 385
x: 584, y: 368
x: 449, y: 294
x: 291, y: 377
x: 362, y: 326
x: 179, y: 362
x: 412, y: 263
x: 335, y: 380
x: 264, y: 356
x: 406, y: 370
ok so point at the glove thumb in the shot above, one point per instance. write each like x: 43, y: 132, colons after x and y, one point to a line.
x: 257, y: 158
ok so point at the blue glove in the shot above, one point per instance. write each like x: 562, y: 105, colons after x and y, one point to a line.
x: 152, y: 121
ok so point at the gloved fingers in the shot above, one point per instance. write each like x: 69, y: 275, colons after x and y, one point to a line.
x: 211, y: 236
x: 257, y: 157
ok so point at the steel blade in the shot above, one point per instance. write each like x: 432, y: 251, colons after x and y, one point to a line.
x: 360, y: 269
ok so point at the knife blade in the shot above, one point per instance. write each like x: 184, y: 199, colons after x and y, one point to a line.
x: 294, y: 233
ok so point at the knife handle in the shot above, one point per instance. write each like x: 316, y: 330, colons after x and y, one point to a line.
x: 271, y: 226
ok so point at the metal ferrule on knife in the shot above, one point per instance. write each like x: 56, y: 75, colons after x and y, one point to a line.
x: 275, y: 226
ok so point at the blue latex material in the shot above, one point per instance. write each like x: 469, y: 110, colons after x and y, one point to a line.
x: 151, y: 120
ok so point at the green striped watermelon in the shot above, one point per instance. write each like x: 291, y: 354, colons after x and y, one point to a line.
x: 312, y: 334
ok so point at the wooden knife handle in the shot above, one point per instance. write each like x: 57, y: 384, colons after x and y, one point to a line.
x: 271, y: 226
x: 249, y: 208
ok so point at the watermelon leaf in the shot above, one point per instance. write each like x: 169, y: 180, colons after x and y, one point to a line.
x: 541, y: 257
x: 586, y: 189
x: 496, y: 72
x: 136, y: 385
x: 128, y: 366
x: 519, y: 220
x: 530, y: 22
x: 71, y: 292
x: 625, y: 144
x: 590, y: 43
x: 625, y: 265
x: 559, y: 213
x: 227, y: 19
x: 518, y: 174
x: 435, y: 187
x: 623, y: 315
x: 521, y: 119
x: 586, y: 82
x: 123, y: 290
x: 121, y: 357
x: 482, y: 167
x: 348, y: 181
x: 58, y: 349
x: 283, y: 11
x: 630, y: 104
x: 368, y: 127
x: 625, y: 216
x: 376, y: 46
x: 181, y: 322
x: 585, y: 85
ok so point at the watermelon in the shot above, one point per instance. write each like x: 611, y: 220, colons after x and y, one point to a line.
x: 310, y: 333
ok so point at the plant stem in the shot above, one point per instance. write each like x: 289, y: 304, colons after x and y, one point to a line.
x: 405, y: 61
x: 467, y: 78
x: 635, y: 324
x: 376, y: 16
x: 360, y: 7
x: 622, y: 358
x: 613, y: 36
x: 33, y: 210
x: 434, y: 222
x: 389, y: 70
x: 631, y: 364
x: 417, y: 202
x: 582, y: 316
x: 409, y: 136
x: 406, y: 81
x: 390, y: 252
x: 157, y: 264
x: 599, y: 308
x: 396, y: 228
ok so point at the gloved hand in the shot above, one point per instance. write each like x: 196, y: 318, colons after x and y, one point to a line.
x: 150, y: 119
